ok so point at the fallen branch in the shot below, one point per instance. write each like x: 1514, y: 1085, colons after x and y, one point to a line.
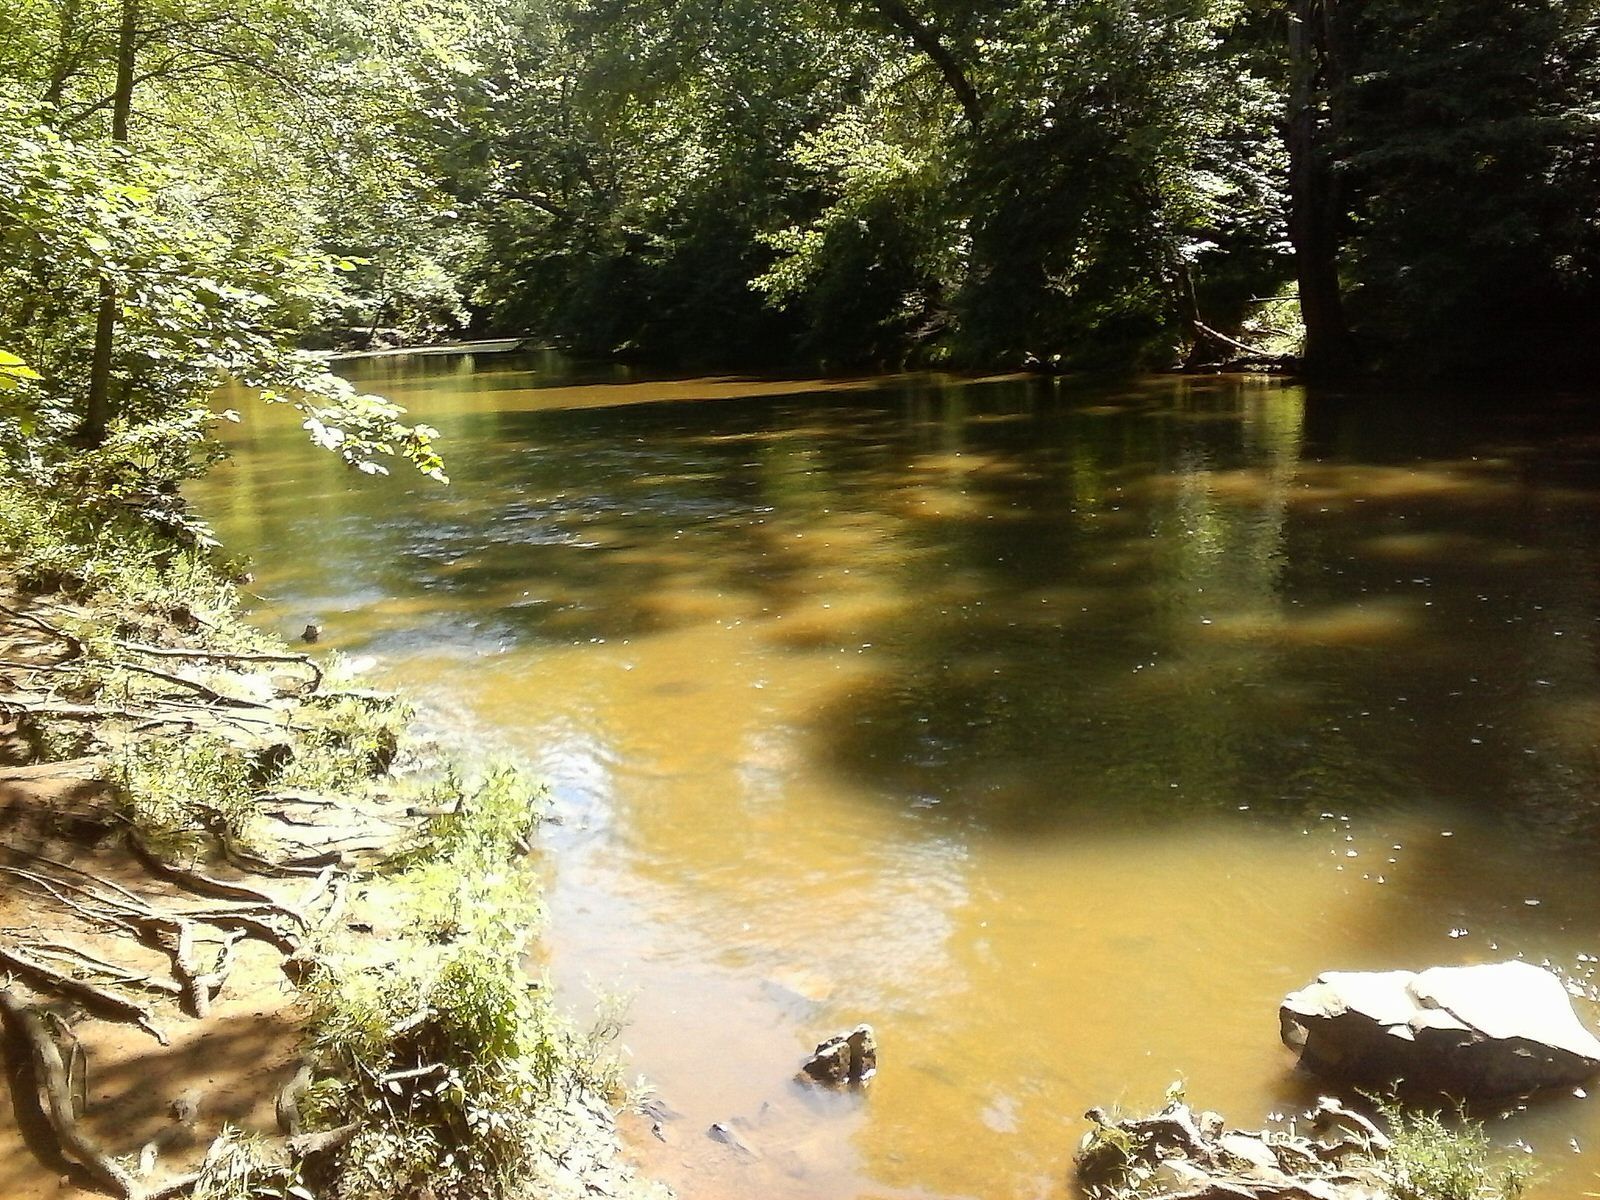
x: 413, y: 1073
x: 1218, y: 336
x: 51, y: 1077
x: 229, y: 656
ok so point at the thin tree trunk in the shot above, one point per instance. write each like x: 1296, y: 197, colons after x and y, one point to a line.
x: 66, y: 57
x: 97, y: 408
x: 1313, y: 201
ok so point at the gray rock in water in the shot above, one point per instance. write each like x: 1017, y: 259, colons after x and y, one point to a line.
x: 849, y: 1060
x: 1491, y: 1030
x: 724, y: 1133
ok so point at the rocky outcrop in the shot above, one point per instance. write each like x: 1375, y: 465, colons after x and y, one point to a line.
x: 1496, y: 1029
x: 849, y: 1060
x: 1184, y: 1155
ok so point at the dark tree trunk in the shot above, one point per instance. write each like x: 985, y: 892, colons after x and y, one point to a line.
x: 97, y: 408
x: 927, y: 40
x: 1314, y: 208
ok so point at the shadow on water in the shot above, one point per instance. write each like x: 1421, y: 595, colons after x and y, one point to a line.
x: 1121, y: 605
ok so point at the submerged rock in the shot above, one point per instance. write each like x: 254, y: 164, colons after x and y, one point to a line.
x: 728, y: 1136
x: 1496, y: 1029
x: 849, y: 1060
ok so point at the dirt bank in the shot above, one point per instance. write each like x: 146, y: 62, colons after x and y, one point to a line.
x: 195, y: 914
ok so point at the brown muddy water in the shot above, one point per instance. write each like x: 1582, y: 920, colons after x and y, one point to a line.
x: 1057, y: 729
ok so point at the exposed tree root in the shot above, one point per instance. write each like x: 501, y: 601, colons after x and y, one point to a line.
x: 201, y: 884
x: 56, y: 1101
x: 75, y: 648
x: 306, y: 1145
x: 203, y: 690
x: 91, y: 996
x: 155, y: 713
x: 120, y: 976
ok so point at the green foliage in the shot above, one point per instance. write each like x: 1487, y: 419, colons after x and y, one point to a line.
x: 477, y: 825
x: 180, y: 789
x: 1431, y: 1160
x: 110, y: 553
x: 446, y: 1053
x: 844, y: 181
x: 1467, y: 143
x: 194, y: 308
x: 344, y: 738
x: 240, y: 1166
x: 646, y: 170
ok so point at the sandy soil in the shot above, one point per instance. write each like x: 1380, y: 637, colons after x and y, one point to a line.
x: 229, y: 1066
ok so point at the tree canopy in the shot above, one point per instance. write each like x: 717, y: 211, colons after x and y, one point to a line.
x: 192, y: 189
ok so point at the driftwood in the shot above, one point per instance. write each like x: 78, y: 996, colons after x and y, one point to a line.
x: 1217, y: 336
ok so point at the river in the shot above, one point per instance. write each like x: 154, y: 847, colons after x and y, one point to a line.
x: 1057, y: 729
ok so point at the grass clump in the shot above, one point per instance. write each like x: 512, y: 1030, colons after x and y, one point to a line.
x: 179, y: 791
x: 344, y: 738
x: 1429, y: 1159
x: 110, y: 556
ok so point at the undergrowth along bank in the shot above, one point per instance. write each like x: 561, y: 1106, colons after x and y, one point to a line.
x: 434, y: 1064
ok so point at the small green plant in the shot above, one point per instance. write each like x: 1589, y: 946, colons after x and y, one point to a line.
x: 239, y: 1166
x: 184, y: 790
x: 1430, y: 1159
x: 346, y: 740
x: 446, y: 1052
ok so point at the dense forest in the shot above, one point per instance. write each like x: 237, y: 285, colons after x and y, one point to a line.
x: 191, y: 188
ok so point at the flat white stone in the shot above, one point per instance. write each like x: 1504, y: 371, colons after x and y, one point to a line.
x: 1508, y: 1000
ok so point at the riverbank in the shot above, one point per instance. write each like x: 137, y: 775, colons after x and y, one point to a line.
x: 252, y: 931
